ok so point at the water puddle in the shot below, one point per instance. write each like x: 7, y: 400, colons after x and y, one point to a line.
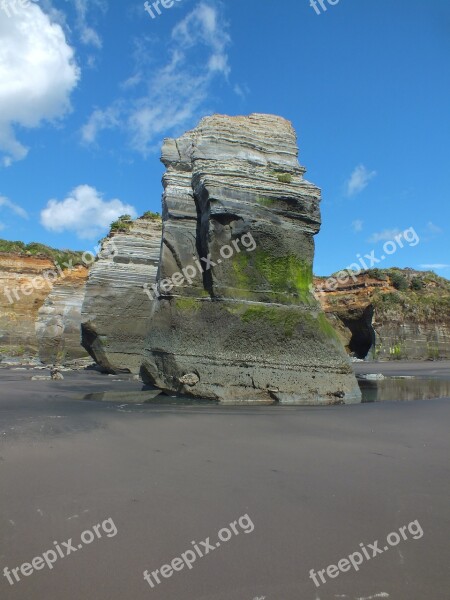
x: 389, y: 389
x: 147, y: 397
x: 393, y: 389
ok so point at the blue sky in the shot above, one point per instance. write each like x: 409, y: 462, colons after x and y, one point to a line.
x: 88, y: 89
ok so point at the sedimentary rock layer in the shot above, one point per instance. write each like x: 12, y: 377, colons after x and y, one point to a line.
x: 18, y: 311
x: 59, y: 319
x: 116, y: 311
x: 248, y: 329
x: 375, y: 319
x: 39, y: 307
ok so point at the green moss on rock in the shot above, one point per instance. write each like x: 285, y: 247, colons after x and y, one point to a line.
x: 187, y: 304
x: 281, y: 275
x: 287, y: 274
x: 264, y: 201
x: 289, y: 319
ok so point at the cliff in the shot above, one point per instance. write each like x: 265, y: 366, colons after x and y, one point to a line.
x: 390, y: 314
x: 18, y: 311
x: 115, y: 312
x: 28, y: 275
x: 234, y: 319
x: 59, y: 318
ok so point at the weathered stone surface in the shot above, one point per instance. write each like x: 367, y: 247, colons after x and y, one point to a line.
x: 40, y: 307
x: 18, y: 311
x: 376, y: 320
x: 116, y: 311
x: 59, y: 319
x: 249, y: 328
x: 56, y: 375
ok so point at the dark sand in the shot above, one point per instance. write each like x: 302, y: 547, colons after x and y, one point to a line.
x: 315, y: 481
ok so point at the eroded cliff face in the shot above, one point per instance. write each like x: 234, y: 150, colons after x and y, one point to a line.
x: 59, y: 319
x: 18, y: 311
x: 40, y: 313
x: 248, y: 329
x: 116, y: 309
x: 390, y: 314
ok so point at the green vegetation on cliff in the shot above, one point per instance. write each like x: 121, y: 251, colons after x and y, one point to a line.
x: 151, y: 216
x: 122, y: 224
x: 405, y: 293
x: 419, y: 296
x: 59, y: 257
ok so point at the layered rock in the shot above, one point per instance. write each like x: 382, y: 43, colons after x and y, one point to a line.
x: 40, y: 306
x: 248, y: 329
x: 59, y: 319
x: 390, y: 314
x: 18, y: 310
x: 116, y: 311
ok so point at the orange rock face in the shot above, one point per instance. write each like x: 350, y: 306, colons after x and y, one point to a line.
x: 376, y: 319
x: 25, y: 284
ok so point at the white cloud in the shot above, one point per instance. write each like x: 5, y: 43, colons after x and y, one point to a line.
x: 434, y: 266
x: 384, y: 236
x: 241, y: 90
x: 2, y: 226
x: 37, y: 73
x: 88, y: 35
x: 359, y: 180
x: 84, y: 211
x: 15, y: 208
x: 98, y: 121
x: 175, y: 94
x: 357, y: 225
x: 202, y: 26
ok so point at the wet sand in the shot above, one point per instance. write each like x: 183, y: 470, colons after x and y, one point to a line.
x: 316, y: 482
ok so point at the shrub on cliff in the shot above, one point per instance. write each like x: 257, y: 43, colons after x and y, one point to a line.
x: 151, y: 216
x: 284, y: 177
x: 417, y: 284
x: 14, y: 247
x: 378, y: 274
x: 122, y: 224
x: 399, y: 281
x: 59, y: 257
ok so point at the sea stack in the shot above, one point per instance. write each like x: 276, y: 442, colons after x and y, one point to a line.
x: 246, y: 327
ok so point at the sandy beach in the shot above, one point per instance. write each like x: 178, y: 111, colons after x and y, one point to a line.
x: 315, y: 482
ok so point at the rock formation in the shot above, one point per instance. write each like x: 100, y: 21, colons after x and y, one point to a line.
x: 390, y: 314
x: 116, y: 311
x: 59, y: 318
x: 18, y: 311
x: 248, y: 329
x: 39, y: 303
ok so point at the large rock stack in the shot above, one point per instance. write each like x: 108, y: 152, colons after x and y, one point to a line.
x: 116, y: 312
x: 247, y: 329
